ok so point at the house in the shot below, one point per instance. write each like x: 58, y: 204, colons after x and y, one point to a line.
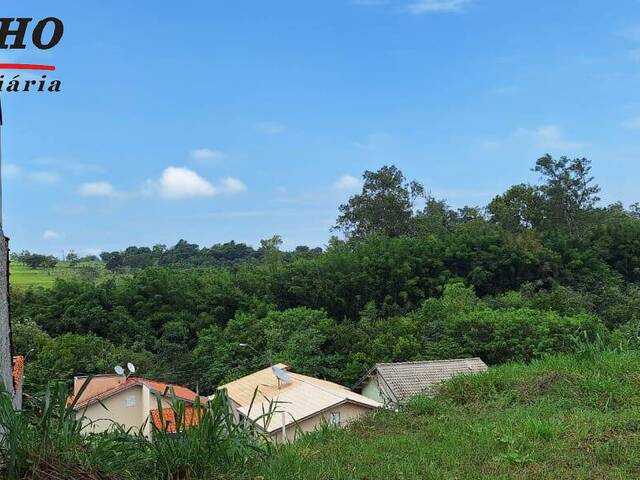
x: 394, y: 383
x: 130, y: 402
x: 298, y: 403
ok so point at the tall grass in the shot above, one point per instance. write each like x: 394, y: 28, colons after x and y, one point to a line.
x: 562, y: 417
x: 49, y: 440
x: 216, y: 445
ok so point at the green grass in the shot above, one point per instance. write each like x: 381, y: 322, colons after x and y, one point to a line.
x: 572, y: 417
x: 22, y: 276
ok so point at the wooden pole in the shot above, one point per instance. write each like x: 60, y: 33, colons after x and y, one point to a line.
x: 6, y: 360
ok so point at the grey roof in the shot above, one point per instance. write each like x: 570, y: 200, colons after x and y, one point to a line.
x: 407, y: 379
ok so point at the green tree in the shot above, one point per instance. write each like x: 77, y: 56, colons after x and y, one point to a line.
x: 35, y: 260
x: 72, y: 258
x: 568, y: 190
x: 520, y: 208
x: 385, y: 206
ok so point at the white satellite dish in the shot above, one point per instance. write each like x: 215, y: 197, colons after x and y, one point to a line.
x: 119, y: 370
x: 131, y: 367
x: 281, y: 374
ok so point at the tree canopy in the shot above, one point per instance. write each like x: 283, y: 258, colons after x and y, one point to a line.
x: 538, y: 269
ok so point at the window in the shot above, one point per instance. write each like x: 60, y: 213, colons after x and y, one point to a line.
x: 130, y: 401
x: 335, y: 418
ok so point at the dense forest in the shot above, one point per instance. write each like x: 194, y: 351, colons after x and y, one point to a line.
x: 541, y: 268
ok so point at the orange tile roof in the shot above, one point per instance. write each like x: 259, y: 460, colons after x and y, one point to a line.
x: 191, y: 417
x: 180, y: 392
x: 18, y: 370
x: 111, y: 388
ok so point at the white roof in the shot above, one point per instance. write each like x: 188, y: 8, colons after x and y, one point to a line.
x: 300, y: 398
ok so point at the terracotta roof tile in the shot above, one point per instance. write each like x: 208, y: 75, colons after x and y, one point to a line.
x: 161, y: 388
x: 191, y: 417
x: 181, y: 392
x: 18, y: 370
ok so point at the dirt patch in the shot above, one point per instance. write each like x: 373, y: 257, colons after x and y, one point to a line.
x: 541, y: 384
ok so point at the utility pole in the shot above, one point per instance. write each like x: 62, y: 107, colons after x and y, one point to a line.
x: 6, y: 359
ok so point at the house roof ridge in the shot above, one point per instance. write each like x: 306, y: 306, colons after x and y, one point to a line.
x: 415, y: 362
x: 315, y: 385
x: 133, y: 381
x: 281, y: 365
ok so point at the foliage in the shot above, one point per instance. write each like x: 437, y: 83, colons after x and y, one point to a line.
x: 385, y: 206
x: 415, y: 279
x: 34, y: 260
x: 573, y: 416
x: 568, y: 192
x: 50, y: 440
x: 217, y: 445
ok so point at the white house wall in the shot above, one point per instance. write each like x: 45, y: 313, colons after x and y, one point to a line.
x: 129, y: 408
x: 124, y: 408
x: 348, y: 413
x: 376, y: 389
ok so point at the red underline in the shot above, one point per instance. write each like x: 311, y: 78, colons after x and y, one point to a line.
x: 26, y: 66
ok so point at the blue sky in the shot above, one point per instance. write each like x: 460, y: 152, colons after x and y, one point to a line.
x: 220, y: 120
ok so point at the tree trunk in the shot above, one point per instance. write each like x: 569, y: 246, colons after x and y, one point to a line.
x: 6, y: 361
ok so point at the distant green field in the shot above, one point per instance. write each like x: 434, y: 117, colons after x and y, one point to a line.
x: 23, y: 276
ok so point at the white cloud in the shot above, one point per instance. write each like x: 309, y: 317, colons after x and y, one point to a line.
x: 44, y: 176
x: 631, y: 123
x: 51, y: 235
x: 205, y: 155
x: 420, y: 7
x: 75, y: 168
x: 50, y: 172
x: 347, y: 182
x: 179, y: 183
x: 98, y: 189
x: 271, y: 128
x: 10, y: 170
x: 550, y: 137
x: 232, y: 185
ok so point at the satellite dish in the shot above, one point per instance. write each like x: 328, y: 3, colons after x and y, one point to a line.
x: 281, y: 374
x: 119, y: 370
x: 131, y: 367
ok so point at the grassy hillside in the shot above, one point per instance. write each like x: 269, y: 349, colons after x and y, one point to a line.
x: 23, y: 276
x: 572, y: 417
